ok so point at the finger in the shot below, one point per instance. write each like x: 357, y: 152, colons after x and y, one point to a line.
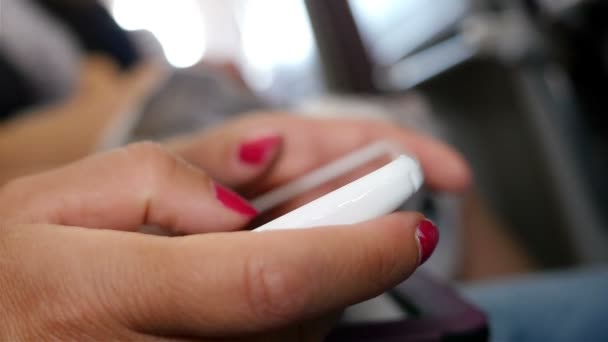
x: 310, y: 143
x: 246, y: 283
x: 233, y: 157
x: 444, y: 168
x: 53, y: 280
x: 98, y: 70
x: 141, y: 81
x: 123, y: 189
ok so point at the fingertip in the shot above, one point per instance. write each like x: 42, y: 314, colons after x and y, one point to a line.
x: 400, y: 228
x: 238, y: 159
x: 447, y: 170
x: 233, y: 201
x: 213, y: 209
x: 404, y: 242
x: 427, y: 236
x: 417, y: 228
x: 462, y: 173
x: 399, y: 220
x: 259, y: 151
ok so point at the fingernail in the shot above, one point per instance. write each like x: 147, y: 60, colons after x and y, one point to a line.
x: 427, y: 235
x: 234, y: 202
x: 259, y: 151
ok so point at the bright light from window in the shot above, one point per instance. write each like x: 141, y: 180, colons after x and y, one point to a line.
x: 178, y: 25
x: 275, y: 33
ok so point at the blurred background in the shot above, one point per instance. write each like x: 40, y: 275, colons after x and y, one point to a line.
x: 271, y: 42
x: 518, y: 85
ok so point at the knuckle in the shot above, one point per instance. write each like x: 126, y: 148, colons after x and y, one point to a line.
x: 274, y: 292
x: 153, y: 157
x: 148, y: 152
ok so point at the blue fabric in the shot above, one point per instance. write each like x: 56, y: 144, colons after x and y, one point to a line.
x: 569, y: 306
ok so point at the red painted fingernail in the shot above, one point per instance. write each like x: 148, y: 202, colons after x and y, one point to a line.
x: 259, y: 151
x: 428, y: 237
x: 233, y: 201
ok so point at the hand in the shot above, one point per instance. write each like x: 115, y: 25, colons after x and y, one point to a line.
x: 107, y: 101
x: 101, y: 82
x: 62, y: 281
x: 264, y: 150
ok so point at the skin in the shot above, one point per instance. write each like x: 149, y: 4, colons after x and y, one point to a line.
x: 51, y: 136
x: 309, y: 143
x: 75, y: 268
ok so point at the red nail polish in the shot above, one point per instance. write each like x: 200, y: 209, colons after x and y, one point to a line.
x: 428, y: 237
x: 235, y: 202
x: 258, y: 151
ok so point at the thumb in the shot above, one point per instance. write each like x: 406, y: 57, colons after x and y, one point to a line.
x: 236, y: 284
x: 124, y: 189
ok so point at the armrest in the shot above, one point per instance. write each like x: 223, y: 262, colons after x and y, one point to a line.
x: 436, y: 313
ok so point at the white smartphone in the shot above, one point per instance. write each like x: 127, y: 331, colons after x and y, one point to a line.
x: 376, y: 194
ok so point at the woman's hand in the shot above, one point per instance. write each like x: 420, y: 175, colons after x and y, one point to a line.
x: 262, y: 151
x: 62, y: 281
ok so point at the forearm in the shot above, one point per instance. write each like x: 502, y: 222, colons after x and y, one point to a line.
x: 49, y: 138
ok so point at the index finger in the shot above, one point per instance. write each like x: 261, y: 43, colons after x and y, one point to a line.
x: 124, y: 189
